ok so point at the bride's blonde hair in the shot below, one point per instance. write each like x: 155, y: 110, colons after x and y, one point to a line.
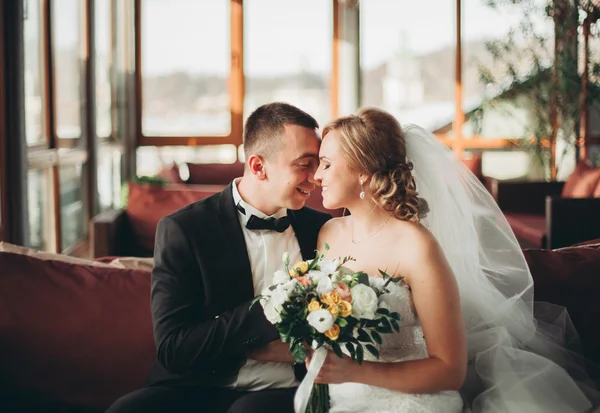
x: 373, y: 143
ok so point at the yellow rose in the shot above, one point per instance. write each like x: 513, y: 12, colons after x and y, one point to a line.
x: 314, y: 305
x: 346, y: 308
x: 300, y: 268
x: 331, y: 298
x: 334, y: 310
x: 333, y: 333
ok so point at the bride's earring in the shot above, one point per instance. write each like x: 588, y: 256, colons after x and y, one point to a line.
x: 362, y: 191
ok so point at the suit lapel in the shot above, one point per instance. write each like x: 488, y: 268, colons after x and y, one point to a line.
x: 239, y: 273
x: 306, y: 236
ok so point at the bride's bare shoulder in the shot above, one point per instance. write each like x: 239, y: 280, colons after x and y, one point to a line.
x: 413, y: 237
x: 333, y: 226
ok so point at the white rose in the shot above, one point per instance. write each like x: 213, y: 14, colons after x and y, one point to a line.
x: 325, y: 285
x: 376, y: 282
x: 274, y: 305
x: 289, y: 286
x: 321, y: 320
x: 281, y: 277
x: 329, y: 266
x: 315, y: 276
x: 364, y: 302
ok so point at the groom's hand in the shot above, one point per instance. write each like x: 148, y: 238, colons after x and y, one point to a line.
x: 275, y: 351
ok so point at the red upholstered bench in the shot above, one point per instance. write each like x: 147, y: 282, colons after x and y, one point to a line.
x: 131, y: 231
x: 551, y: 214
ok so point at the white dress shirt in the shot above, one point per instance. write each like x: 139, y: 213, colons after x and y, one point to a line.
x: 265, y: 250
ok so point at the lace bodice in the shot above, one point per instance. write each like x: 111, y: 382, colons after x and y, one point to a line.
x: 407, y: 344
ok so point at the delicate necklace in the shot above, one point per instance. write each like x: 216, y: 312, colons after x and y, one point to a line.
x: 376, y: 231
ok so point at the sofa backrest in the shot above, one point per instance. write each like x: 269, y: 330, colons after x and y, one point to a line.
x: 584, y: 182
x: 570, y: 277
x: 214, y: 173
x: 72, y: 333
x: 147, y: 204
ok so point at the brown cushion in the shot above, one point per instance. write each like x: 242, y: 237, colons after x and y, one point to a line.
x: 570, y: 277
x: 582, y: 182
x: 43, y: 255
x: 594, y: 243
x: 214, y: 173
x: 528, y: 227
x: 74, y: 333
x: 147, y: 204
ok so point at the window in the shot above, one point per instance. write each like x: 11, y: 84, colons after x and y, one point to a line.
x: 109, y: 177
x: 408, y: 52
x: 288, y: 55
x: 483, y: 27
x: 40, y: 209
x: 34, y: 76
x: 152, y: 159
x: 185, y: 68
x: 66, y: 44
x: 72, y: 212
x: 103, y: 40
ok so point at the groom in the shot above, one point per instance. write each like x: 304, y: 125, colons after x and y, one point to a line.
x: 212, y: 257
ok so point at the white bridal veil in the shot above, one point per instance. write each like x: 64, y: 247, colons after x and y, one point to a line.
x: 518, y: 362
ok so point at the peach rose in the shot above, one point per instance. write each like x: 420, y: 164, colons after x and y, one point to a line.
x: 334, y: 310
x: 314, y: 305
x: 331, y: 298
x: 333, y: 333
x: 304, y: 281
x: 344, y: 291
x: 300, y: 268
x: 346, y: 308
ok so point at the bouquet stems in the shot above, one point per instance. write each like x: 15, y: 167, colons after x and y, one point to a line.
x: 319, y: 399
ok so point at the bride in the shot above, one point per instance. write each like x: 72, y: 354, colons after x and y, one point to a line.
x: 468, y: 340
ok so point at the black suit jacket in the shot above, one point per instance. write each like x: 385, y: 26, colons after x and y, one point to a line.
x: 202, y: 289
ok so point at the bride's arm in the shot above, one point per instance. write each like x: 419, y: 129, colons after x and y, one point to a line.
x: 436, y: 298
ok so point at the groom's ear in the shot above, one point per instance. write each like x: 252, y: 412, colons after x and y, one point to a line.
x: 256, y: 164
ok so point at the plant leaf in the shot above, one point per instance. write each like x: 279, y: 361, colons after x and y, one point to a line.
x: 363, y: 336
x: 396, y: 316
x: 383, y: 311
x: 384, y: 274
x: 351, y: 350
x: 376, y: 337
x: 256, y: 299
x: 360, y: 354
x: 299, y: 352
x: 371, y: 349
x: 337, y: 350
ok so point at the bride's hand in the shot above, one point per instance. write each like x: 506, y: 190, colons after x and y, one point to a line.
x: 335, y: 370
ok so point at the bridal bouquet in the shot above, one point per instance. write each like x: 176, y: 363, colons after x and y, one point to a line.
x: 323, y: 304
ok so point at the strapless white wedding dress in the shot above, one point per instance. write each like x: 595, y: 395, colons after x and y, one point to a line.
x: 407, y: 344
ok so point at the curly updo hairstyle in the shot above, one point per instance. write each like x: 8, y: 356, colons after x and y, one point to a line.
x: 373, y: 144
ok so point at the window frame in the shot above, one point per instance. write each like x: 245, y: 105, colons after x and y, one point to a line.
x: 235, y: 85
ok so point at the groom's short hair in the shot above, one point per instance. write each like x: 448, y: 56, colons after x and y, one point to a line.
x: 264, y: 127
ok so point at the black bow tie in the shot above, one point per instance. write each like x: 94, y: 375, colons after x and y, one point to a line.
x: 271, y: 224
